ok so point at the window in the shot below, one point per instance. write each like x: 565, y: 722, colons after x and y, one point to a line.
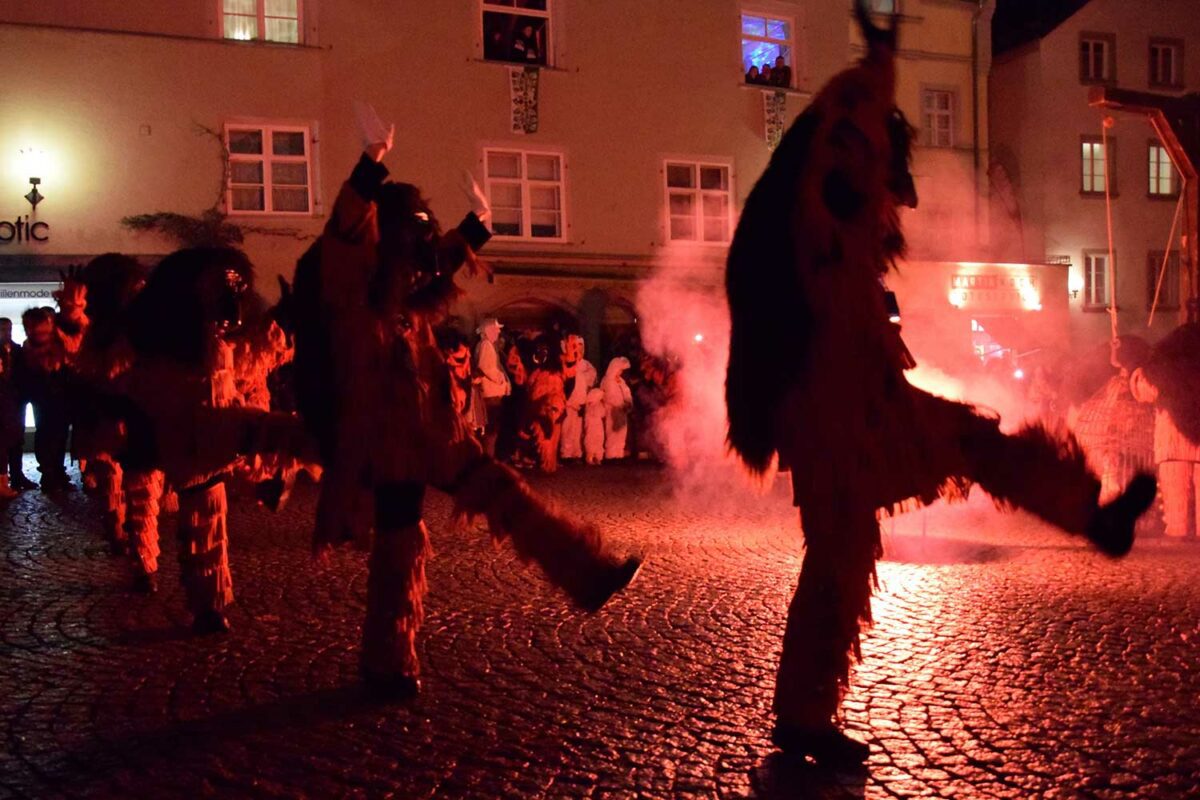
x: 269, y: 170
x: 884, y: 6
x: 1095, y: 279
x: 1095, y: 167
x: 1096, y: 62
x: 526, y: 193
x: 517, y: 30
x: 698, y: 202
x: 1164, y: 180
x: 937, y: 118
x: 1168, y: 293
x: 766, y: 40
x: 1166, y: 62
x: 268, y: 20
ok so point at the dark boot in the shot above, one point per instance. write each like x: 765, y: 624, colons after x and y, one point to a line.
x: 827, y: 745
x: 208, y: 622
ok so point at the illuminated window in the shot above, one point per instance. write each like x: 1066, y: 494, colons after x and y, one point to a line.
x: 517, y: 31
x: 1094, y: 166
x: 1096, y: 53
x: 1168, y: 290
x: 699, y: 199
x: 884, y: 6
x: 937, y: 118
x: 1166, y: 62
x: 526, y: 191
x: 1095, y: 279
x: 270, y: 170
x: 266, y: 20
x: 765, y: 40
x: 1164, y: 180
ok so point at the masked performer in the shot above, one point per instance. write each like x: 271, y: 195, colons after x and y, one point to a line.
x: 818, y: 232
x: 112, y: 281
x: 184, y: 423
x: 547, y: 403
x: 618, y: 399
x: 579, y: 377
x: 1171, y: 381
x: 373, y: 390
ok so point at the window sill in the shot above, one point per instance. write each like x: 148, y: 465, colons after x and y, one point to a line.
x: 499, y: 238
x: 252, y: 215
x: 1099, y: 195
x: 785, y: 89
x: 1162, y: 197
x: 1167, y: 87
x: 1093, y: 309
x: 1098, y: 81
x: 511, y: 64
x: 266, y: 43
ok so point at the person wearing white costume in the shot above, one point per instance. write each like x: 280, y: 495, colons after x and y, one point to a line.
x: 593, y: 427
x: 619, y: 400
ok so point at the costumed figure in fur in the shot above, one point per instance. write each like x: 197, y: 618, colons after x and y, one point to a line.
x: 465, y: 392
x: 184, y: 421
x: 372, y: 387
x: 547, y: 403
x: 579, y: 378
x: 618, y: 401
x: 593, y: 427
x: 510, y: 445
x: 112, y: 281
x: 818, y: 232
x: 1170, y: 380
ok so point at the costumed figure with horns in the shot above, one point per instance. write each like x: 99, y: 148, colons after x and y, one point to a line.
x: 818, y: 233
x: 372, y: 387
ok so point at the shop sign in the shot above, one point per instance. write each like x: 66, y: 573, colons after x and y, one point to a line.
x: 21, y: 229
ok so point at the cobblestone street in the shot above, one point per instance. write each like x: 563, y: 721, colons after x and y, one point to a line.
x: 1006, y: 660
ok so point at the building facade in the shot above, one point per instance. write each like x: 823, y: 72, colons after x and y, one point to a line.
x: 1066, y: 178
x: 614, y: 139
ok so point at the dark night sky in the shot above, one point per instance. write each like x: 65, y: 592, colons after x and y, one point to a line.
x: 1020, y: 21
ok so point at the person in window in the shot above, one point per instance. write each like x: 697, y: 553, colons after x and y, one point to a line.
x: 525, y: 45
x: 752, y: 76
x: 765, y: 76
x: 372, y: 390
x: 781, y: 75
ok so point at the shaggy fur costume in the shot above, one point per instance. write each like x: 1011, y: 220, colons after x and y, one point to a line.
x: 374, y: 389
x: 819, y: 231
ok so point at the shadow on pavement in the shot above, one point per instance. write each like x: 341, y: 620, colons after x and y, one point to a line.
x: 780, y: 777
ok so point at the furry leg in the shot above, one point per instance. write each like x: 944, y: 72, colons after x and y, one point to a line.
x: 1175, y: 480
x: 1033, y: 470
x: 107, y: 476
x: 143, y: 489
x: 204, y: 548
x: 572, y: 556
x: 832, y: 601
x: 395, y: 601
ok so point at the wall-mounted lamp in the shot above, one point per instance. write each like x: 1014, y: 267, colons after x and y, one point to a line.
x: 1074, y: 293
x: 33, y: 161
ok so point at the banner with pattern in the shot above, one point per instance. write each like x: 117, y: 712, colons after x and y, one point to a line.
x: 774, y: 116
x: 523, y: 82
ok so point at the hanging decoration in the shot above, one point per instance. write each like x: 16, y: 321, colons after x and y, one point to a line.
x: 774, y: 116
x: 523, y: 83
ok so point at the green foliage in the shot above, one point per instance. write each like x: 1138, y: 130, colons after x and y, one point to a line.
x: 210, y: 228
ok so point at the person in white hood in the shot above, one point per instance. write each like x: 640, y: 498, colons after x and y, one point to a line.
x: 593, y: 427
x: 491, y: 377
x: 618, y: 400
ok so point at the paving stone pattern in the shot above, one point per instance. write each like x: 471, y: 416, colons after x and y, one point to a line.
x: 1006, y: 661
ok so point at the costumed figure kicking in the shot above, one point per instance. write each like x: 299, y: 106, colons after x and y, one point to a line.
x: 818, y: 232
x: 184, y: 422
x: 372, y: 387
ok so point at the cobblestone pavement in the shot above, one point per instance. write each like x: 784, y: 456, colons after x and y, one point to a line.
x: 1006, y: 660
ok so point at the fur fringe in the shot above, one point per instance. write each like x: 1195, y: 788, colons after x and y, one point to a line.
x: 572, y: 555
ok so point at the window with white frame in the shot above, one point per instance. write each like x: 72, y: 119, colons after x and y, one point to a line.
x: 1162, y: 279
x: 699, y: 202
x: 1164, y: 180
x: 1095, y: 279
x: 265, y: 20
x: 517, y: 31
x: 767, y: 49
x: 884, y: 6
x: 1094, y: 165
x: 937, y: 117
x: 1096, y: 53
x: 270, y: 169
x: 1166, y: 62
x: 526, y: 192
